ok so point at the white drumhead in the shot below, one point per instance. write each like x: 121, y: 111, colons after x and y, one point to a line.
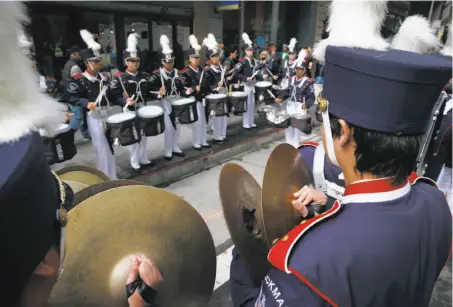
x: 63, y: 128
x: 238, y: 94
x: 263, y: 84
x: 216, y: 96
x: 150, y: 111
x: 121, y: 117
x: 183, y: 101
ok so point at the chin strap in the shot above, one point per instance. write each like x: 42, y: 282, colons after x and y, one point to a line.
x: 324, y: 108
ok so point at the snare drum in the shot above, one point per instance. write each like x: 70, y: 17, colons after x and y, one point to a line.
x: 125, y: 127
x: 185, y: 110
x: 151, y: 120
x: 301, y: 122
x: 61, y: 147
x: 278, y: 118
x: 280, y: 91
x: 218, y: 103
x: 261, y: 91
x: 238, y: 102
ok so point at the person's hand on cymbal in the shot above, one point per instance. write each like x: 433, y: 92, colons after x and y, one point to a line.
x: 148, y: 272
x: 306, y: 196
x: 91, y: 105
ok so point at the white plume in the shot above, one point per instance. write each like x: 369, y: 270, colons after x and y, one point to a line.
x: 23, y: 108
x: 416, y: 35
x: 24, y: 42
x: 210, y: 42
x: 132, y: 42
x: 165, y: 44
x: 194, y: 43
x: 446, y: 50
x: 88, y: 38
x: 301, y: 57
x: 246, y: 39
x: 354, y: 24
x: 292, y: 44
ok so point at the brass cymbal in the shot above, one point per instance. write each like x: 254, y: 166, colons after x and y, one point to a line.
x: 285, y: 174
x: 94, y: 189
x: 75, y: 186
x: 105, y: 229
x: 83, y: 174
x: 240, y: 195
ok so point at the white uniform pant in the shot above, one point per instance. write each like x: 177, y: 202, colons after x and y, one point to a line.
x: 248, y: 119
x: 139, y: 154
x: 199, y: 128
x: 171, y: 135
x: 219, y: 127
x: 444, y: 183
x: 293, y: 136
x: 105, y: 160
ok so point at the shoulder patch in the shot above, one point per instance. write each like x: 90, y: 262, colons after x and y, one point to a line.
x: 414, y: 178
x: 279, y: 254
x: 119, y: 73
x: 241, y: 59
x: 77, y: 76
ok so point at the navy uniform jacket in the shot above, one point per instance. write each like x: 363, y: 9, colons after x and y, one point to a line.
x: 85, y: 89
x: 245, y: 68
x: 304, y: 88
x: 212, y: 77
x: 171, y: 79
x: 190, y: 77
x: 288, y: 69
x: 130, y: 82
x: 381, y: 246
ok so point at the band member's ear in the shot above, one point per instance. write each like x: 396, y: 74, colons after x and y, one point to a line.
x: 346, y: 133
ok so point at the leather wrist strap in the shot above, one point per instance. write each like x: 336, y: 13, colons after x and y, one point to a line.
x: 147, y: 293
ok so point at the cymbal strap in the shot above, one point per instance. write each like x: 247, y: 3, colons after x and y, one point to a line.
x: 146, y: 292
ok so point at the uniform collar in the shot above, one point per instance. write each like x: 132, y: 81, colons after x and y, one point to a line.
x: 374, y: 191
x: 167, y: 71
x: 90, y: 77
x: 129, y: 73
x: 195, y: 69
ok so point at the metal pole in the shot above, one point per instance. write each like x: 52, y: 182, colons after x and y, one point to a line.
x: 241, y: 28
x: 431, y: 10
x: 274, y: 26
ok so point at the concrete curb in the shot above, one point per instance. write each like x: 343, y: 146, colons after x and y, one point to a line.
x: 177, y: 171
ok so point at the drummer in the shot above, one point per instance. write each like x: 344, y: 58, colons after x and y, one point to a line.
x: 355, y: 254
x: 170, y: 85
x: 215, y: 83
x: 244, y: 71
x: 192, y: 80
x: 302, y: 91
x: 133, y: 87
x: 90, y: 90
x: 288, y: 67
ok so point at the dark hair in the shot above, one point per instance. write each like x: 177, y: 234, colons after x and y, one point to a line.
x: 232, y: 50
x: 448, y: 88
x: 382, y: 154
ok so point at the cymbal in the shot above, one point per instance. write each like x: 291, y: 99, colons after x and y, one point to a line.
x: 83, y: 174
x: 75, y: 186
x: 285, y: 174
x: 94, y: 189
x: 240, y: 195
x: 105, y: 229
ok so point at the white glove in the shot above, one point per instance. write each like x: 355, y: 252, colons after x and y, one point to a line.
x: 189, y: 91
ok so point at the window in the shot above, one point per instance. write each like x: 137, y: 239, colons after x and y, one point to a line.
x: 103, y: 27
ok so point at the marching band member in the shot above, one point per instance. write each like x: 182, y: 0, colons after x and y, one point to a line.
x: 288, y: 68
x: 132, y: 82
x: 302, y: 91
x: 170, y: 85
x: 215, y: 80
x: 339, y: 258
x: 245, y: 72
x: 90, y: 90
x: 192, y: 80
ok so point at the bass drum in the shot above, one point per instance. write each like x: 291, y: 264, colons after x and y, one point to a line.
x: 218, y: 104
x: 125, y: 127
x: 185, y: 110
x: 151, y: 120
x: 61, y: 147
x: 238, y: 102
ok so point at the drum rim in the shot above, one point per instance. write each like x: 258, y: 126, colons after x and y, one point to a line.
x: 147, y: 116
x: 67, y: 127
x: 243, y: 94
x: 190, y: 100
x: 262, y: 82
x: 131, y: 114
x: 219, y: 95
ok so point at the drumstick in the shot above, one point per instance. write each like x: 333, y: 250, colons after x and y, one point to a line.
x: 201, y: 78
x: 270, y: 93
x: 128, y: 104
x: 269, y: 72
x: 99, y: 98
x: 124, y: 89
x: 231, y: 88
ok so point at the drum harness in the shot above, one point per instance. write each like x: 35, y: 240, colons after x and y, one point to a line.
x: 331, y: 189
x: 222, y: 80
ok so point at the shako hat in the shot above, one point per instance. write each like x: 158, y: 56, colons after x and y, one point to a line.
x: 292, y: 45
x: 301, y: 61
x: 211, y: 43
x: 131, y: 52
x: 92, y: 53
x: 167, y: 53
x: 367, y: 84
x: 31, y: 196
x: 247, y: 41
x: 194, y: 51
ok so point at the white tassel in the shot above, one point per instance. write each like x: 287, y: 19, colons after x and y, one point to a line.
x: 23, y: 108
x: 292, y: 44
x: 301, y: 57
x: 165, y: 44
x: 132, y: 42
x: 416, y: 35
x: 88, y: 38
x: 246, y: 39
x: 194, y: 43
x: 354, y: 24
